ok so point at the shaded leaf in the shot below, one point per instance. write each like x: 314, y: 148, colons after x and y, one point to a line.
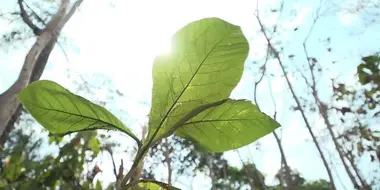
x: 205, y: 65
x: 233, y: 124
x: 62, y: 112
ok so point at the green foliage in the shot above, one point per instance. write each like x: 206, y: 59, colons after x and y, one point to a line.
x: 191, y: 87
x: 205, y: 65
x: 369, y: 73
x: 231, y: 125
x: 152, y: 185
x: 62, y: 112
x: 367, y: 94
x: 22, y: 169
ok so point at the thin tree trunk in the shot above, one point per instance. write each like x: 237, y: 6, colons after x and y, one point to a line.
x: 295, y: 97
x: 168, y: 160
x: 288, y: 173
x: 34, y: 64
x: 288, y: 176
x: 322, y: 109
x: 350, y: 158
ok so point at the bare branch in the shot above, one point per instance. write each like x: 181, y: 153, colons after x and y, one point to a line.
x: 283, y: 158
x: 121, y: 169
x: 322, y: 108
x: 35, y: 14
x: 24, y: 15
x: 113, y: 162
x: 246, y: 171
x: 295, y: 97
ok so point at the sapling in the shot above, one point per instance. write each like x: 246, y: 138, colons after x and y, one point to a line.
x: 191, y: 89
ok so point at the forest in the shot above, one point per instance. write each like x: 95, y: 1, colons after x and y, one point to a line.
x: 168, y: 95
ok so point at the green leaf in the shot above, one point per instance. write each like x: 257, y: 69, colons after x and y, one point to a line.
x: 205, y: 65
x: 233, y: 124
x: 62, y: 112
x: 98, y: 185
x: 93, y: 144
x: 152, y: 185
x: 3, y: 183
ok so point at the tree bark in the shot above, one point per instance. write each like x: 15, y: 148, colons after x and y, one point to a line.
x: 34, y: 63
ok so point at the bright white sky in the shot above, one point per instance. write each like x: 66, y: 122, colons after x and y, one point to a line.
x: 121, y: 41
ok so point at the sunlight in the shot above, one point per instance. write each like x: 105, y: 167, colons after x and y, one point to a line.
x: 162, y: 46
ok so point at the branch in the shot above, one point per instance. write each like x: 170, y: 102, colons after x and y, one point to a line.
x: 295, y: 97
x: 121, y: 169
x: 283, y: 159
x: 113, y: 162
x: 35, y: 14
x: 246, y: 171
x: 24, y: 15
x: 322, y: 108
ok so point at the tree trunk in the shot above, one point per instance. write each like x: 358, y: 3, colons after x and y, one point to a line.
x: 34, y: 64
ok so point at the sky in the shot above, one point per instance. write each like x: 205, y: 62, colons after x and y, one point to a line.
x: 120, y: 41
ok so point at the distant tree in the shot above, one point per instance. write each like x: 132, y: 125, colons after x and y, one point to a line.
x: 47, y: 33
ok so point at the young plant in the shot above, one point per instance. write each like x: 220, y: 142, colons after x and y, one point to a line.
x: 191, y: 89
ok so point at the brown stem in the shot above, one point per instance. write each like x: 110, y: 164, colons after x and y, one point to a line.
x: 295, y: 97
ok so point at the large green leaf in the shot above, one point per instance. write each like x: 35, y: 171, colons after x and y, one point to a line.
x: 205, y: 65
x: 152, y: 185
x: 62, y: 112
x: 233, y: 124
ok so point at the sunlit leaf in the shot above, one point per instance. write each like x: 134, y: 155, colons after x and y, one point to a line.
x: 62, y: 112
x: 205, y: 65
x: 233, y: 124
x: 152, y: 185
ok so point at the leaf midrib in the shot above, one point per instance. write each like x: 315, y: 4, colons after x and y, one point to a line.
x: 216, y: 120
